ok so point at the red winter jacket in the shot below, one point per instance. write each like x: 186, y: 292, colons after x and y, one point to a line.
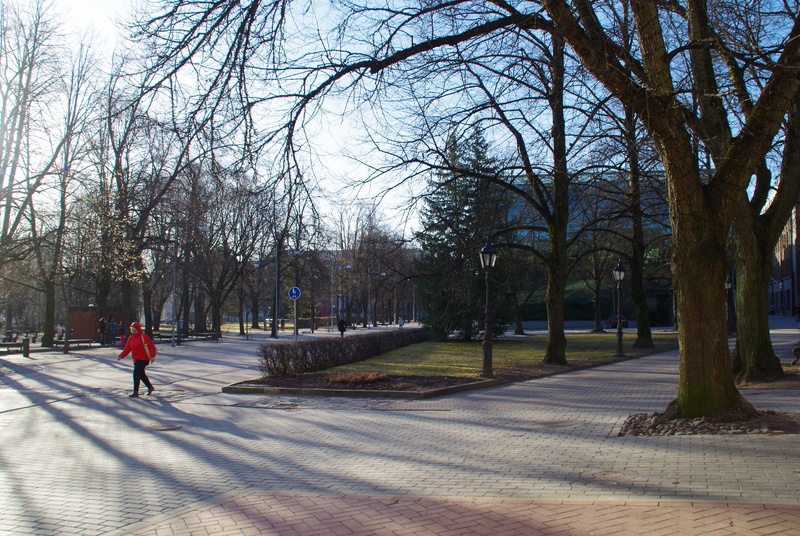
x: 135, y: 346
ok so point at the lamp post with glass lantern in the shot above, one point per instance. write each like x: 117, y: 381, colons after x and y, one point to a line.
x: 619, y: 275
x: 488, y: 257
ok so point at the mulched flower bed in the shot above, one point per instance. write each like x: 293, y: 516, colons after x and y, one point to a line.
x: 392, y: 383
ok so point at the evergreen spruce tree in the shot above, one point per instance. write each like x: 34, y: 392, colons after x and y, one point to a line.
x: 461, y: 210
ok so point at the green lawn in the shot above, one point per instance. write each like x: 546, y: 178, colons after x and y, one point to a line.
x: 513, y: 358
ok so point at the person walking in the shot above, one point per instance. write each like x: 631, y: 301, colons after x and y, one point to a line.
x: 143, y: 352
x: 101, y: 330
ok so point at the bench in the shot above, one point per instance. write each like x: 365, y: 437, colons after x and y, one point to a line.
x: 165, y: 335
x: 75, y: 342
x: 204, y: 335
x: 9, y: 345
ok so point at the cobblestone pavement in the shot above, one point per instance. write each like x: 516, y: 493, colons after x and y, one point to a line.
x: 539, y: 457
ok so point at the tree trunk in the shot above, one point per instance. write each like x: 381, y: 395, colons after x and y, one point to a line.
x: 200, y: 312
x: 644, y: 336
x: 706, y: 385
x: 518, y: 328
x: 556, y: 352
x: 755, y: 356
x: 103, y: 292
x: 147, y: 305
x: 186, y: 296
x: 596, y: 300
x: 254, y: 303
x: 49, y: 329
x: 129, y: 301
x: 215, y: 300
x: 242, y: 331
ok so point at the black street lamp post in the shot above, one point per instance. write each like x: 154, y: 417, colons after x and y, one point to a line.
x: 488, y: 258
x: 619, y: 275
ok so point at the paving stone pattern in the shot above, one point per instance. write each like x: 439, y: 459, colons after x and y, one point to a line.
x: 539, y: 457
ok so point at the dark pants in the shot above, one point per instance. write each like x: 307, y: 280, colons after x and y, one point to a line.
x: 140, y: 375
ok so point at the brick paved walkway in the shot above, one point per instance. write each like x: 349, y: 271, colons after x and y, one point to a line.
x: 541, y: 457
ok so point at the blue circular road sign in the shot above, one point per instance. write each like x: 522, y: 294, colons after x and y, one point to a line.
x: 294, y: 293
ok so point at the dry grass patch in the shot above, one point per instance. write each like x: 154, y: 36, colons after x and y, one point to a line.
x: 515, y: 358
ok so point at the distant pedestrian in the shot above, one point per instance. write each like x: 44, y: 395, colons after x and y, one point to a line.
x: 400, y: 321
x: 143, y: 352
x: 101, y: 330
x: 112, y: 330
x: 342, y: 327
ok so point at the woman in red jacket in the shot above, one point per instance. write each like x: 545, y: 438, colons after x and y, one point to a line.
x: 143, y: 352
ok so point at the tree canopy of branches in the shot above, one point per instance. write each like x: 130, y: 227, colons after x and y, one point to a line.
x: 676, y: 56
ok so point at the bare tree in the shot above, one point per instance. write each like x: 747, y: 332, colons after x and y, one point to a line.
x: 60, y: 134
x: 653, y: 83
x: 702, y: 207
x: 757, y: 229
x: 30, y: 77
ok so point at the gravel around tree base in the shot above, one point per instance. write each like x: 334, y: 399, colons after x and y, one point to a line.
x: 654, y: 424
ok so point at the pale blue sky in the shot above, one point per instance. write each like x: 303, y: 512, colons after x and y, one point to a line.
x: 97, y: 15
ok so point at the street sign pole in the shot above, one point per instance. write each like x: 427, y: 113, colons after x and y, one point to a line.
x: 294, y: 294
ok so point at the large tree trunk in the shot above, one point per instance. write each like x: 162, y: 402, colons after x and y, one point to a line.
x: 200, y: 312
x: 706, y: 385
x: 254, y: 303
x: 216, y: 312
x: 130, y: 301
x: 757, y: 230
x: 755, y: 357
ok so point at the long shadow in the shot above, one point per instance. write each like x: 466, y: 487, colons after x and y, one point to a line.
x: 293, y: 453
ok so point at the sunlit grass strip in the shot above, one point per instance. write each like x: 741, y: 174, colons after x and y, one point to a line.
x: 464, y: 358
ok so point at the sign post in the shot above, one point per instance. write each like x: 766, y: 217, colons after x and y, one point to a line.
x: 294, y: 294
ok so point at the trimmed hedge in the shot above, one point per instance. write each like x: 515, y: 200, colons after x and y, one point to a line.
x: 320, y: 354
